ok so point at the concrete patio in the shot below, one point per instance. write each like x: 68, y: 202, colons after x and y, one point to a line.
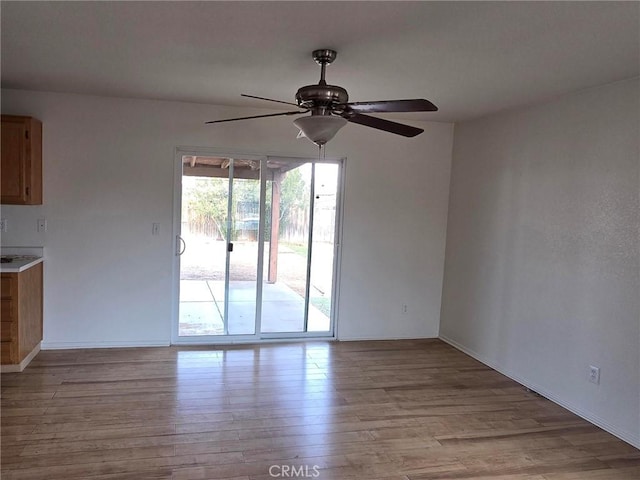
x: 202, y: 309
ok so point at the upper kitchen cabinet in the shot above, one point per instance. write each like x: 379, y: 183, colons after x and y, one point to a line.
x: 21, y: 168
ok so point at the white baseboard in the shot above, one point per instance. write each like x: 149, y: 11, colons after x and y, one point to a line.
x: 375, y: 338
x: 626, y: 436
x: 78, y: 345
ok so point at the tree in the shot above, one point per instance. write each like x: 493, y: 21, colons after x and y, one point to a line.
x: 294, y: 194
x: 207, y: 201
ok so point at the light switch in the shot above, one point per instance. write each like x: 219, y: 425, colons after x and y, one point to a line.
x: 42, y: 225
x: 155, y: 229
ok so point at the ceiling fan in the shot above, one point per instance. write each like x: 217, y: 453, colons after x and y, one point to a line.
x: 330, y: 110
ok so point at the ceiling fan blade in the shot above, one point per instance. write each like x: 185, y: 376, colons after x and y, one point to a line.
x: 258, y: 116
x: 386, y: 125
x: 268, y: 99
x: 415, y: 105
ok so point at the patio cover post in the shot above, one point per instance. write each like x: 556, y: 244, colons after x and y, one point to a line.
x: 272, y: 275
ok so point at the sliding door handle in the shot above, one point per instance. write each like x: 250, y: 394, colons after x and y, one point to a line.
x: 180, y: 249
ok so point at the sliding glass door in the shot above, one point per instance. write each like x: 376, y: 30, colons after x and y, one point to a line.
x: 256, y: 247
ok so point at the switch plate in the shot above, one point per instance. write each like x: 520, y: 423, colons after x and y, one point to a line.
x: 594, y: 374
x: 42, y: 225
x: 4, y: 224
x: 155, y: 229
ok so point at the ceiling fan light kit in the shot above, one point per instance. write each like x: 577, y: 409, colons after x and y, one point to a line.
x: 330, y: 110
x: 320, y: 128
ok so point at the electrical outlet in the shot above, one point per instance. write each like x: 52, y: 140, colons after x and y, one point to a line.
x: 594, y: 374
x: 404, y: 309
x: 4, y: 225
x: 42, y: 225
x: 155, y: 229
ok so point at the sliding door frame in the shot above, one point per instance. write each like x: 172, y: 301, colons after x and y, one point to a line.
x: 258, y: 336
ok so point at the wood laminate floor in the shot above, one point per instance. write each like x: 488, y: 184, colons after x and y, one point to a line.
x: 392, y: 410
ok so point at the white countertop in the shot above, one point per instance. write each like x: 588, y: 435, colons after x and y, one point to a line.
x: 22, y: 258
x: 20, y: 264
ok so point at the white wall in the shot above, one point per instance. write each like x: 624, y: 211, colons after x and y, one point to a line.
x: 108, y: 175
x: 542, y: 262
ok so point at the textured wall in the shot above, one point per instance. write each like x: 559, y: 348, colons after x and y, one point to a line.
x: 542, y: 272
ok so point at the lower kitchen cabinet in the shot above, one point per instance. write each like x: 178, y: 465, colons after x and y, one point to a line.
x: 21, y: 317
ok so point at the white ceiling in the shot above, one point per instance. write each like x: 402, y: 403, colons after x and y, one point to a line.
x: 469, y: 58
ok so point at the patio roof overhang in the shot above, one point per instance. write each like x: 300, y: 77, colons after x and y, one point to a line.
x: 218, y: 167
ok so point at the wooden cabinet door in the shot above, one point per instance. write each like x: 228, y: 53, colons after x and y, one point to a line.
x: 21, y: 168
x: 13, y: 181
x: 9, y: 318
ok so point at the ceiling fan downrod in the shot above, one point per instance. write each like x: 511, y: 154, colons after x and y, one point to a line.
x: 323, y: 58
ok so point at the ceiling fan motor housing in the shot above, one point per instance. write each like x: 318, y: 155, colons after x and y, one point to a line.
x: 314, y: 96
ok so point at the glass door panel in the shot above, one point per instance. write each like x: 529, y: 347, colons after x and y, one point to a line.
x: 325, y: 195
x: 286, y: 247
x: 203, y: 263
x: 243, y: 264
x: 219, y: 226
